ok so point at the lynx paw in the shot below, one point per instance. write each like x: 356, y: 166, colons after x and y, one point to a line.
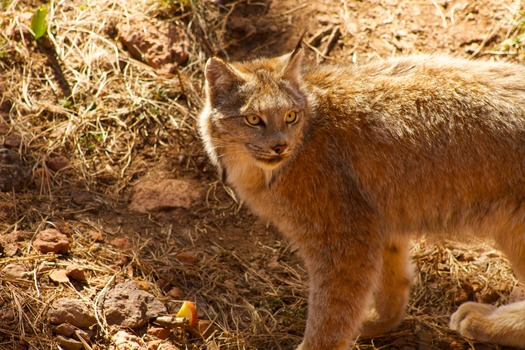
x: 469, y: 318
x: 504, y: 325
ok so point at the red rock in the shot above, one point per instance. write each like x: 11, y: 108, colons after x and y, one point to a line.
x: 159, y: 332
x: 126, y: 305
x: 14, y: 174
x: 72, y: 311
x: 230, y: 284
x: 12, y: 141
x: 57, y: 163
x: 4, y: 128
x: 15, y: 271
x: 125, y: 341
x: 187, y: 257
x: 96, y: 236
x: 122, y: 243
x: 65, y: 329
x: 76, y: 273
x: 51, y: 240
x: 81, y: 197
x: 153, y: 196
x: 176, y: 293
x: 8, y: 242
x: 59, y: 276
x: 6, y: 211
x: 161, y: 44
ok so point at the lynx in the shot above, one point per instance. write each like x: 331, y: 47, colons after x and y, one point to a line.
x: 350, y: 161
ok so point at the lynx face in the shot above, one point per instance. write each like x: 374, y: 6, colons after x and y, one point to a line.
x: 255, y: 111
x: 268, y: 136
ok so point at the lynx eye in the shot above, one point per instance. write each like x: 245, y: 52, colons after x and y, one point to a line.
x: 291, y: 117
x: 253, y: 120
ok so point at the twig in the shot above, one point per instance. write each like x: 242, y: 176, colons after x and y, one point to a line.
x: 332, y: 40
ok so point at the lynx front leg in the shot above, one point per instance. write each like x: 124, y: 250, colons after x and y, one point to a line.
x: 391, y: 295
x: 341, y: 282
x: 504, y: 325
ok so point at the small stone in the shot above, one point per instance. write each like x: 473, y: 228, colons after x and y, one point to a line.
x: 4, y: 128
x: 68, y: 343
x: 57, y: 163
x: 151, y: 196
x: 122, y: 243
x: 15, y: 270
x: 161, y: 44
x: 22, y: 236
x: 125, y: 341
x: 8, y: 242
x: 65, y: 329
x: 96, y: 236
x: 14, y: 174
x: 76, y: 273
x: 187, y: 257
x: 127, y: 305
x: 7, y: 210
x: 230, y: 284
x: 12, y: 141
x: 72, y: 311
x: 59, y: 276
x: 176, y: 293
x: 81, y: 197
x: 51, y: 240
x: 159, y: 332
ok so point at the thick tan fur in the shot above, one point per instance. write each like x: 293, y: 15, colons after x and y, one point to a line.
x: 420, y: 144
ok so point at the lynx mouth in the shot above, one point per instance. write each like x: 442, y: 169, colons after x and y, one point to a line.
x: 271, y: 162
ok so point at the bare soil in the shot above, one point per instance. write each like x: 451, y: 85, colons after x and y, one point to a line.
x: 123, y: 122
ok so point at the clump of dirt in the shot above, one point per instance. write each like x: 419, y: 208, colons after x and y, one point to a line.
x: 160, y: 44
x: 108, y: 185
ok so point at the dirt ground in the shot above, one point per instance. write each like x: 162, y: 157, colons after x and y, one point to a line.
x: 94, y: 122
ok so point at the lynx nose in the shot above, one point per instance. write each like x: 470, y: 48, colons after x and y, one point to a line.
x: 279, y: 148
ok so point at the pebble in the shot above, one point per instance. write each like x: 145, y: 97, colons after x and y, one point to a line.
x: 127, y: 305
x: 57, y: 163
x: 52, y: 241
x: 59, y: 276
x: 72, y: 311
x: 76, y: 273
x: 15, y: 270
x: 151, y: 196
x: 187, y: 257
x: 122, y: 243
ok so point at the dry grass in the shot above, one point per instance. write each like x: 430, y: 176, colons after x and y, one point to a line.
x: 121, y: 118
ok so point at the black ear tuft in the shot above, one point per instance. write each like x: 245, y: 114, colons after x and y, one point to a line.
x: 292, y: 70
x: 221, y: 77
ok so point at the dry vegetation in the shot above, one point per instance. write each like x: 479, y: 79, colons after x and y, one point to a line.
x: 80, y: 95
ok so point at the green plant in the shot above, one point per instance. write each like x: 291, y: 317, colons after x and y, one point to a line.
x: 39, y: 22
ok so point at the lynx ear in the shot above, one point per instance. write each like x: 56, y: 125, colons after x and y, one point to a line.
x: 292, y: 70
x: 221, y: 77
